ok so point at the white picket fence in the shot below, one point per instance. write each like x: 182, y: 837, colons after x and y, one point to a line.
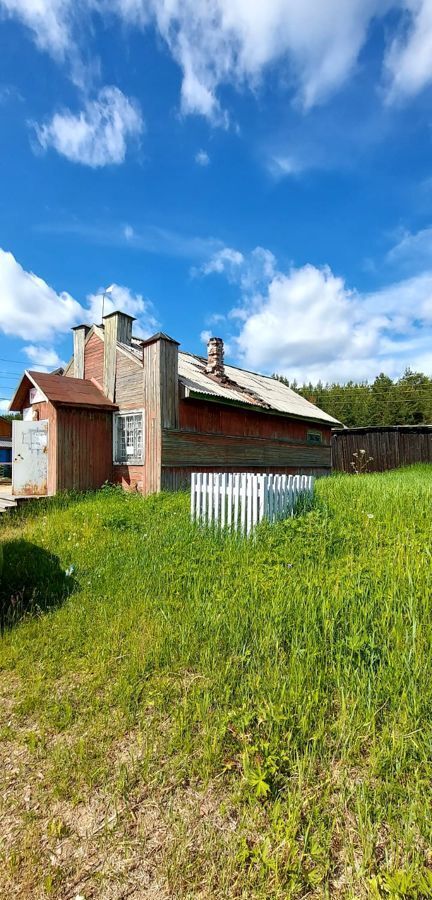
x: 240, y: 501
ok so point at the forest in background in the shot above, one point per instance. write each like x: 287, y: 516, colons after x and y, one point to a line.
x: 406, y: 401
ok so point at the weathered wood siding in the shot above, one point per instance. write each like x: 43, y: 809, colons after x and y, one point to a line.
x: 5, y: 428
x: 160, y: 402
x: 388, y: 447
x: 183, y: 448
x: 209, y: 417
x: 168, y: 368
x: 94, y: 360
x: 80, y: 333
x: 84, y: 448
x: 110, y: 356
x: 213, y: 437
x: 79, y: 447
x: 129, y: 394
x: 129, y: 388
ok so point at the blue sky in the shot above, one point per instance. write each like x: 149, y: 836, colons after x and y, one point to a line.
x: 258, y: 171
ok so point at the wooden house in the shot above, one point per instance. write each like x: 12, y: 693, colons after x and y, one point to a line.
x: 144, y: 414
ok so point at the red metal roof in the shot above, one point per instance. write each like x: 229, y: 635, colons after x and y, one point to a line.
x: 70, y: 391
x: 63, y: 391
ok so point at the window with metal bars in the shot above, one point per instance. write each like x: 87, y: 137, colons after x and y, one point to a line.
x: 129, y: 438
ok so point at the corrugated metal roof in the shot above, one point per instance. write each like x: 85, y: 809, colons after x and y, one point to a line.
x: 260, y: 391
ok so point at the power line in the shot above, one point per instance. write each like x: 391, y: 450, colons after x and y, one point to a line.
x: 360, y: 393
x: 356, y: 389
x: 323, y: 400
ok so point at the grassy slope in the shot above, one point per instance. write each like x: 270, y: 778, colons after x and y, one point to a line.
x: 208, y: 717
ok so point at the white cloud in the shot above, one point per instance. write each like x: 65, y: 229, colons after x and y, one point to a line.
x: 250, y: 271
x: 202, y: 158
x: 234, y: 42
x: 224, y: 261
x: 49, y: 21
x: 98, y: 135
x: 30, y: 308
x: 220, y: 42
x: 121, y: 298
x: 282, y: 166
x: 409, y: 59
x: 306, y: 317
x: 43, y: 357
x: 128, y: 232
x: 413, y: 251
x: 307, y: 324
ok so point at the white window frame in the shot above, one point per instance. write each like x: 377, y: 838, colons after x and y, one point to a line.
x: 132, y: 460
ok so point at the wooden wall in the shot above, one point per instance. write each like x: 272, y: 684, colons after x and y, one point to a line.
x: 129, y: 388
x: 388, y: 447
x: 160, y: 405
x: 230, y: 439
x: 5, y: 428
x: 84, y: 448
x: 94, y: 360
x: 79, y: 447
x: 183, y: 448
x: 215, y: 418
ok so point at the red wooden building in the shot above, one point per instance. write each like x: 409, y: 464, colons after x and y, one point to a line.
x: 145, y: 415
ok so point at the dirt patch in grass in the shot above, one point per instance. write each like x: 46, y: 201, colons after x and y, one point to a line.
x: 104, y: 846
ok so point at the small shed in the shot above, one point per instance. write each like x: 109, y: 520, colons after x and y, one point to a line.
x: 64, y: 440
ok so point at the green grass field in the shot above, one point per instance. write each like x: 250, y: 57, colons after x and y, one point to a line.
x: 189, y: 715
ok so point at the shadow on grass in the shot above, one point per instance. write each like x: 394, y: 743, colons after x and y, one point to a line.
x: 31, y: 581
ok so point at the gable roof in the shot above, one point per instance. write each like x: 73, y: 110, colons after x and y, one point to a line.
x: 262, y: 392
x: 61, y: 391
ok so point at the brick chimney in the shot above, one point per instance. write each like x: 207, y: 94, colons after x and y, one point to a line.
x: 215, y: 358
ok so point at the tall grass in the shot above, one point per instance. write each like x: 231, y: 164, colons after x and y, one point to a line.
x: 288, y: 674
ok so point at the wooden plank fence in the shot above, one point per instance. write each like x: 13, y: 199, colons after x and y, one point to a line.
x: 385, y: 447
x: 239, y: 501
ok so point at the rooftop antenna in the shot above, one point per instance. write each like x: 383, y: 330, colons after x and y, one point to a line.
x: 105, y: 293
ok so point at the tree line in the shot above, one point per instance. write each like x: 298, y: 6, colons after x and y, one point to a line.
x: 405, y: 401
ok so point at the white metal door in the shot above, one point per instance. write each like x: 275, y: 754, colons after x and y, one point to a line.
x: 29, y: 458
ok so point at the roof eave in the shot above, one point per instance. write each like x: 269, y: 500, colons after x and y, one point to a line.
x: 73, y: 404
x: 267, y: 410
x: 15, y: 404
